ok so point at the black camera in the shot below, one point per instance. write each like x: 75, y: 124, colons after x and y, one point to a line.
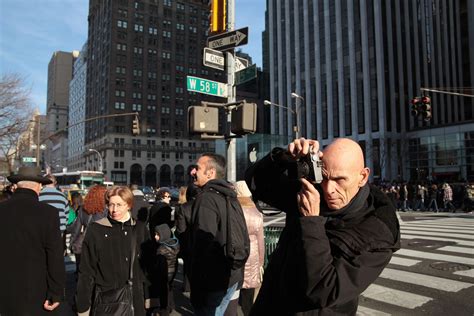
x: 309, y: 167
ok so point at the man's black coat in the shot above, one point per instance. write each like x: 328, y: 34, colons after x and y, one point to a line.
x: 322, y: 263
x: 32, y: 264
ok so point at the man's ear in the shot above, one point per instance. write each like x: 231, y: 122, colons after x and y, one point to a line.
x: 364, y: 176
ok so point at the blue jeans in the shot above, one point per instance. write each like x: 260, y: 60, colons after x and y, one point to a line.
x: 215, y: 303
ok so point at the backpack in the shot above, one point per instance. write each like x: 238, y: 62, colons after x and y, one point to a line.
x: 237, y: 246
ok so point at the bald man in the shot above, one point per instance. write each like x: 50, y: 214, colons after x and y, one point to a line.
x: 339, y: 234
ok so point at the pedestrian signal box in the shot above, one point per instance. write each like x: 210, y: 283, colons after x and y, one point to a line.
x: 203, y: 119
x: 244, y: 119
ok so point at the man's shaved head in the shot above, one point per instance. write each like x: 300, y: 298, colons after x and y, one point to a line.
x: 343, y: 172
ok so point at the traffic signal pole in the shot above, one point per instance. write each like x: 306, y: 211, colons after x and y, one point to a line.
x: 231, y: 142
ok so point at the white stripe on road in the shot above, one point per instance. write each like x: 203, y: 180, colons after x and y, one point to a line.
x: 395, y: 297
x: 457, y: 241
x: 425, y: 280
x: 436, y: 229
x: 364, y: 311
x: 279, y: 219
x: 469, y: 251
x: 471, y: 237
x: 468, y: 273
x: 404, y: 261
x: 438, y: 225
x: 435, y: 256
x: 462, y: 224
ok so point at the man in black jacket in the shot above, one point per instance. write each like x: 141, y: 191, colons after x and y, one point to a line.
x: 33, y: 277
x: 331, y: 249
x: 213, y: 281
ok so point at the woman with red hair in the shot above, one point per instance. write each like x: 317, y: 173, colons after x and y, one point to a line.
x: 93, y: 209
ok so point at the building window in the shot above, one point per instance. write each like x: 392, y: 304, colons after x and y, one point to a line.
x: 122, y: 47
x: 138, y: 50
x: 136, y: 107
x: 122, y: 24
x: 120, y: 105
x: 138, y: 28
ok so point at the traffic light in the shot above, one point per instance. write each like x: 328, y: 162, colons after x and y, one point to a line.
x: 244, y: 119
x: 217, y: 16
x: 415, y: 106
x: 135, y: 126
x: 426, y: 108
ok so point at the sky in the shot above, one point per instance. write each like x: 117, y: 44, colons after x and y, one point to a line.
x: 32, y: 30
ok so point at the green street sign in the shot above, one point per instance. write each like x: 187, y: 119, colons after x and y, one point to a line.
x: 246, y: 74
x: 205, y: 86
x: 29, y: 159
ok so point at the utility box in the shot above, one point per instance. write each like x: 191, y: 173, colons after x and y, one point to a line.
x: 203, y: 119
x: 244, y: 119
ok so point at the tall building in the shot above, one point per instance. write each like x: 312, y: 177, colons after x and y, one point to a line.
x: 60, y: 69
x: 27, y: 144
x: 77, y: 113
x: 139, y: 54
x: 358, y: 63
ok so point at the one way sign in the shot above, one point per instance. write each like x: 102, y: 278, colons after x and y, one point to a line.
x: 229, y: 40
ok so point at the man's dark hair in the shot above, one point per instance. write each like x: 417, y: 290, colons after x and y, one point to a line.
x: 217, y: 162
x: 51, y: 177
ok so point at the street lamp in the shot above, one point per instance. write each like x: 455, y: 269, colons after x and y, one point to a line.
x: 297, y: 106
x: 296, y: 128
x: 100, y: 157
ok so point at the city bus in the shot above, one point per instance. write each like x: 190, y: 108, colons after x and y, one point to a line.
x: 81, y: 180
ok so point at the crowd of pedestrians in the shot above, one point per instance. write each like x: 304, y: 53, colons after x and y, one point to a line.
x: 127, y: 249
x: 431, y: 196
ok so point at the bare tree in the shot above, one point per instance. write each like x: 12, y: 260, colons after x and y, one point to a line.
x: 15, y: 112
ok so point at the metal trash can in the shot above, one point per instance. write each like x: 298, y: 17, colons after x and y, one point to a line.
x: 271, y: 235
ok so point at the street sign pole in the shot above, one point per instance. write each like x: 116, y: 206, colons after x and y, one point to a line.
x: 231, y: 142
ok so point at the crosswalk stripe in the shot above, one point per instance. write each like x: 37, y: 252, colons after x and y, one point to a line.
x: 435, y: 256
x: 469, y: 251
x: 445, y: 223
x: 457, y: 241
x: 404, y: 261
x: 468, y: 273
x: 440, y: 225
x: 436, y: 229
x: 425, y: 280
x: 278, y: 219
x: 395, y: 297
x: 365, y: 311
x: 471, y: 237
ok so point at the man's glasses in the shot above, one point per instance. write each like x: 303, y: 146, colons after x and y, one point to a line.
x: 167, y: 196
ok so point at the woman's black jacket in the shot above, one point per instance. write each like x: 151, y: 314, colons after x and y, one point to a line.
x: 105, y: 261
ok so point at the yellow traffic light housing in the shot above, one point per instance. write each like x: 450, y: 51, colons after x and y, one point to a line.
x: 135, y: 127
x: 217, y: 16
